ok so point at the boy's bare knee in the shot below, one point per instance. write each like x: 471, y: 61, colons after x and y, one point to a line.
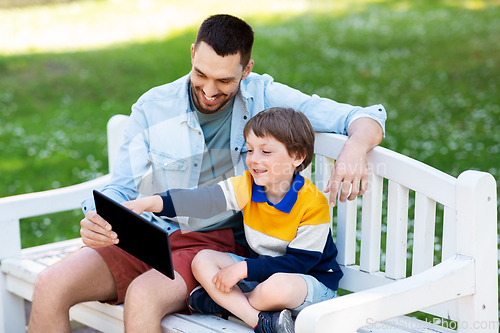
x: 266, y: 292
x: 272, y: 292
x: 199, y: 261
x: 276, y: 283
x: 202, y: 256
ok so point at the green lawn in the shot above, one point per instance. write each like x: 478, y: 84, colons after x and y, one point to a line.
x: 434, y: 65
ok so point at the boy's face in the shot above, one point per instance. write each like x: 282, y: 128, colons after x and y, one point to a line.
x: 269, y: 162
x: 215, y: 80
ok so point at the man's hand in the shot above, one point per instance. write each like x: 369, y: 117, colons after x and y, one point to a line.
x: 227, y: 277
x: 350, y: 172
x: 349, y: 175
x: 96, y: 232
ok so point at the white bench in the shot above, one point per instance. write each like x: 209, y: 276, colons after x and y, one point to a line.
x: 461, y: 286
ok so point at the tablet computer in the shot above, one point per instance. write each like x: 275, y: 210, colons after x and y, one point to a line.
x: 139, y: 237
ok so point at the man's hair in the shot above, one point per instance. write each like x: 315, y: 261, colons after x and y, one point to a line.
x: 227, y: 35
x: 290, y: 127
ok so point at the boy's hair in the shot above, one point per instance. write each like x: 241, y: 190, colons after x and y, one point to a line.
x: 227, y: 35
x: 290, y: 127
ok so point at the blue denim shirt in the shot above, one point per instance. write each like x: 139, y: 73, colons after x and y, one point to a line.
x: 165, y: 143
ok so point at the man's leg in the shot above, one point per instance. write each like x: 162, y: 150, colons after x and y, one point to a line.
x: 152, y: 295
x: 149, y: 298
x: 82, y: 276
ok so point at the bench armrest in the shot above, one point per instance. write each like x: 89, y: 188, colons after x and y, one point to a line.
x: 349, y: 313
x: 46, y: 202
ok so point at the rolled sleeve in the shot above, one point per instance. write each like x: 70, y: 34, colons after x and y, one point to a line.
x: 88, y: 205
x: 375, y: 112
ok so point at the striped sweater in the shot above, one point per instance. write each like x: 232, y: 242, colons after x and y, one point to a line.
x: 293, y: 236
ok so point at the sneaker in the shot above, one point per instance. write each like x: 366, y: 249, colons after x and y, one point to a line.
x: 200, y: 301
x: 275, y: 322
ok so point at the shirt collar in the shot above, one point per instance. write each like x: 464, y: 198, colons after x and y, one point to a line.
x: 245, y: 91
x: 286, y: 204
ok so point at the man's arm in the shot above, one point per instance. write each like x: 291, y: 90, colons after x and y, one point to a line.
x: 95, y: 231
x: 364, y: 125
x: 350, y: 172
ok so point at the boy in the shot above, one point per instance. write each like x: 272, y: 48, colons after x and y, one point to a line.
x: 287, y: 226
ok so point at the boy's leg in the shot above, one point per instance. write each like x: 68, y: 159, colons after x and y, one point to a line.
x: 82, y: 276
x: 206, y: 265
x: 280, y: 291
x: 291, y: 291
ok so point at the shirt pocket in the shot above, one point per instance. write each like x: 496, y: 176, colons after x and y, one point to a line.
x: 167, y: 162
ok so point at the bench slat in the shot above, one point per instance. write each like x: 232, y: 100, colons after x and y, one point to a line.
x: 322, y: 171
x: 371, y: 225
x: 51, y: 201
x: 346, y: 232
x: 209, y: 322
x: 100, y: 320
x: 397, y: 228
x: 423, y: 233
x: 356, y: 280
x: 449, y: 241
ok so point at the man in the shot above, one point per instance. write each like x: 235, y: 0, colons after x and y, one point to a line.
x: 186, y: 134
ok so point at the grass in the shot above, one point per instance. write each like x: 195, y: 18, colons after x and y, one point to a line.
x: 55, y: 108
x: 434, y: 65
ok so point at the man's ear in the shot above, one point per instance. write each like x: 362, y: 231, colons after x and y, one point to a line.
x: 192, y: 54
x: 248, y: 69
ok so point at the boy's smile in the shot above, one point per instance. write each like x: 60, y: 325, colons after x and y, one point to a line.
x: 270, y: 165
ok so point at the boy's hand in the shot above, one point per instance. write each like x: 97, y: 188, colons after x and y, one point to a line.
x: 96, y: 232
x: 148, y: 204
x: 227, y: 277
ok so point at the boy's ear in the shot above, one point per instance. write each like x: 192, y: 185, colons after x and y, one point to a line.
x: 297, y: 160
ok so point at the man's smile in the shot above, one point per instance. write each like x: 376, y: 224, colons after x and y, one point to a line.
x: 210, y: 99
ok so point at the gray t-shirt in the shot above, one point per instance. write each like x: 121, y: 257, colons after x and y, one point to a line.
x: 216, y: 129
x: 216, y: 164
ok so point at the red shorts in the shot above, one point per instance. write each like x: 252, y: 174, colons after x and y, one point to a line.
x: 125, y: 267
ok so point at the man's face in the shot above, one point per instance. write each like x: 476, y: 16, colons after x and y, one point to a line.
x: 215, y: 80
